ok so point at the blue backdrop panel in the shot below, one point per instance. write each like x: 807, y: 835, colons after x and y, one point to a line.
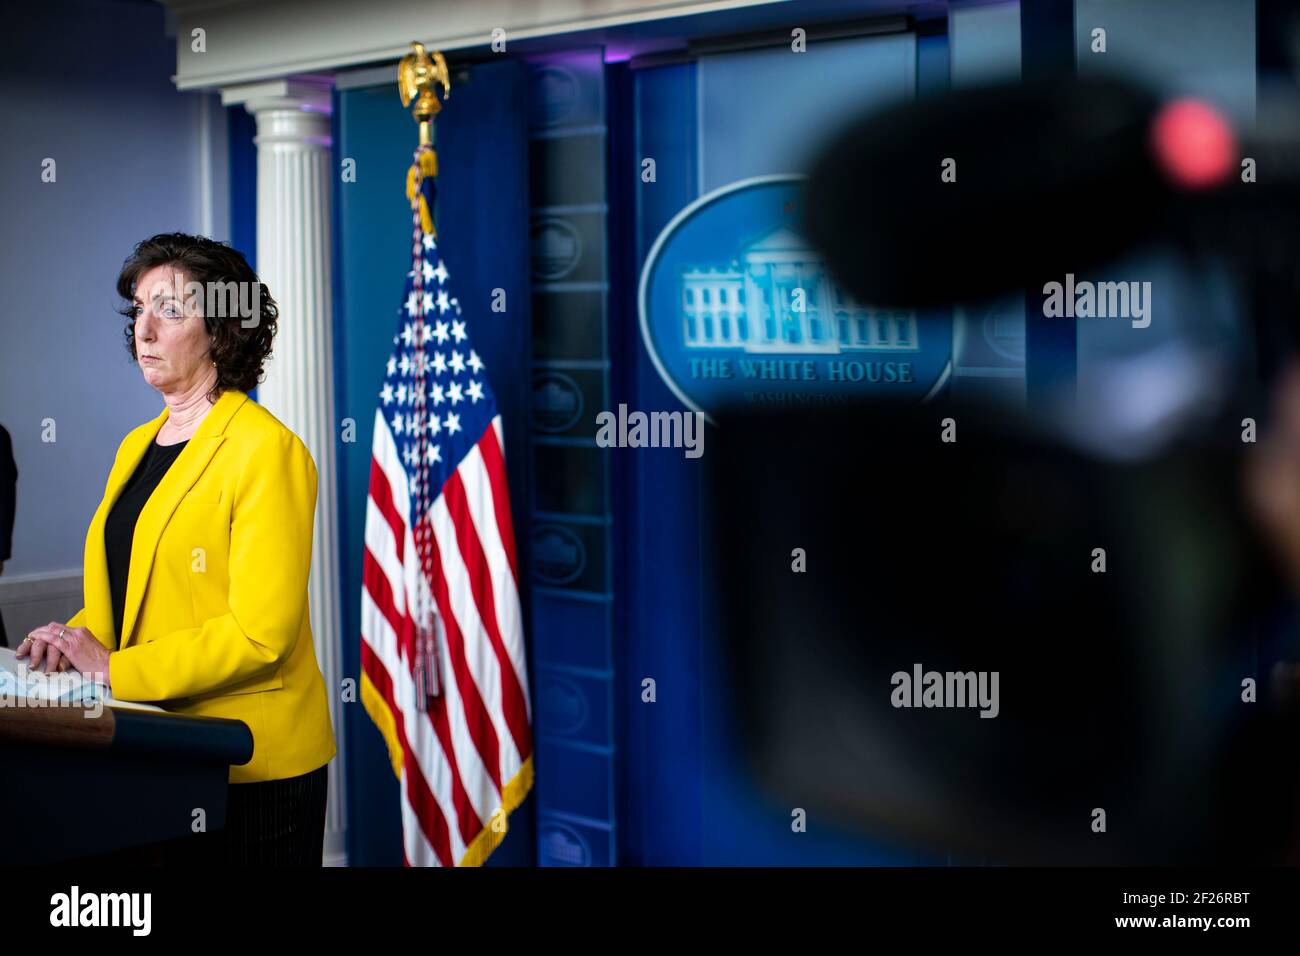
x: 481, y: 138
x: 689, y: 800
x: 571, y: 584
x: 658, y: 533
x: 767, y: 111
x: 241, y: 128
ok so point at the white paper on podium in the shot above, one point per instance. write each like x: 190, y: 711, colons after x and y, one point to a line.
x: 68, y: 687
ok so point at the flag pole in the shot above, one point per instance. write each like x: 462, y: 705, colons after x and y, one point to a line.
x: 417, y: 73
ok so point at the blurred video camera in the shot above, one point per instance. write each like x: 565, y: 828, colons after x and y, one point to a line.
x: 1146, y: 709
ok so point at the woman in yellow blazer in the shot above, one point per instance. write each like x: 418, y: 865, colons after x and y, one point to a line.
x: 209, y: 616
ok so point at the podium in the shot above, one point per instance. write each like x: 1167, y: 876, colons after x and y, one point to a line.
x: 113, y: 784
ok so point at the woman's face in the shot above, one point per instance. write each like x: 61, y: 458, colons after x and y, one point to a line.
x: 171, y: 342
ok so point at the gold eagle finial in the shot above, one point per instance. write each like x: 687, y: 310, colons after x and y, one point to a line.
x: 417, y: 73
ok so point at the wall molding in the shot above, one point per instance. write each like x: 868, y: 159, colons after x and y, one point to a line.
x: 40, y: 586
x: 279, y: 38
x: 29, y: 600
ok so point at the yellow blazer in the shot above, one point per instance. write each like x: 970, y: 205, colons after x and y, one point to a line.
x: 216, y: 617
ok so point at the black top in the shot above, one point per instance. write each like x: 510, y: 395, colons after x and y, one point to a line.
x: 119, y: 527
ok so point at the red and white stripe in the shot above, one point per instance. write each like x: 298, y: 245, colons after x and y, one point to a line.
x: 475, y: 736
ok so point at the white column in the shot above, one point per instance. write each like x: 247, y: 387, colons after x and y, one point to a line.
x: 295, y: 169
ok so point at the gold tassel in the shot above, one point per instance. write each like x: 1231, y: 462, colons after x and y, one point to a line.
x: 428, y: 167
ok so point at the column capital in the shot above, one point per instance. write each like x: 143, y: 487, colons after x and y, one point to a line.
x: 307, y: 94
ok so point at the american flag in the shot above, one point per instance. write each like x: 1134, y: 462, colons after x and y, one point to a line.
x: 443, y: 674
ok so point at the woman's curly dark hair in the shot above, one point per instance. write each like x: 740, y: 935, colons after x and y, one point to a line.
x: 240, y: 351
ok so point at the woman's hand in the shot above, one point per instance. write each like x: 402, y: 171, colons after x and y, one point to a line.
x: 75, y: 644
x: 40, y: 652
